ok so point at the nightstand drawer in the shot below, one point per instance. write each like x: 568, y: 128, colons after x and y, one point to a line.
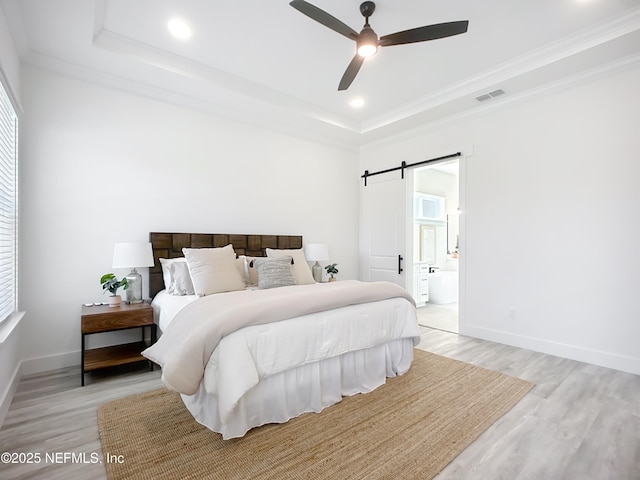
x: 103, y: 318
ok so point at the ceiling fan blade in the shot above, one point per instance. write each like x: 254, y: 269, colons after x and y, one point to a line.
x: 422, y: 34
x: 324, y: 18
x: 351, y: 72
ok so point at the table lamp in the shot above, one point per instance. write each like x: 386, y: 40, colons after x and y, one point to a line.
x: 315, y: 252
x: 133, y: 255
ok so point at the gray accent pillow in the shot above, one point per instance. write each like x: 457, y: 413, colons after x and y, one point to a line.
x: 274, y: 272
x: 301, y: 271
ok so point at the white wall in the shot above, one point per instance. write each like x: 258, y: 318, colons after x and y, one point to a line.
x: 551, y: 223
x: 9, y: 60
x: 101, y: 166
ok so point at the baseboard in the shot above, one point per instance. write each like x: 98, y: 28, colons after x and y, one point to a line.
x: 572, y: 352
x: 9, y: 392
x: 50, y: 362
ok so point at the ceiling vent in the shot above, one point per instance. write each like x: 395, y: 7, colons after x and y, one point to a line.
x: 490, y: 95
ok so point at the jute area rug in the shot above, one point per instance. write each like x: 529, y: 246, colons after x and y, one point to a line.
x: 409, y: 428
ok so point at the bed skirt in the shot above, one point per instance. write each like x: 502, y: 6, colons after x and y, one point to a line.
x: 307, y: 388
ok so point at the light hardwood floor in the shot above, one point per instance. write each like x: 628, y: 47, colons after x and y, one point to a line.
x: 580, y: 422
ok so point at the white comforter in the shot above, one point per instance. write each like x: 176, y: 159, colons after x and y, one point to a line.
x: 186, y: 346
x: 255, y: 353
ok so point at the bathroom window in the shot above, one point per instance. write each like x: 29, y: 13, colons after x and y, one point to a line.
x: 428, y: 207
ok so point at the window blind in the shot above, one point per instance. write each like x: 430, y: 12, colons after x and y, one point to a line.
x: 8, y: 205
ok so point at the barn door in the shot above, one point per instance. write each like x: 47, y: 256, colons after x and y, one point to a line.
x: 384, y: 227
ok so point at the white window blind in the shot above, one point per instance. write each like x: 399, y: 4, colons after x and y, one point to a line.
x: 8, y: 205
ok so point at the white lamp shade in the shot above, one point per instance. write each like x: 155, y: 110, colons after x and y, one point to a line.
x: 316, y: 252
x: 132, y: 255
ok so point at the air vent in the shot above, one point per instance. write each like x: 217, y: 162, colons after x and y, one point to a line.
x: 490, y: 95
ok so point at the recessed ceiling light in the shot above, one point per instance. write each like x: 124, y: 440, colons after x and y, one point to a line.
x: 179, y: 29
x: 357, y: 102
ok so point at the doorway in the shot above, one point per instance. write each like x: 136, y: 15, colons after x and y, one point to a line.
x: 436, y: 249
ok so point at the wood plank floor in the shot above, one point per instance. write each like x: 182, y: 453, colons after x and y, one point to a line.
x: 580, y: 422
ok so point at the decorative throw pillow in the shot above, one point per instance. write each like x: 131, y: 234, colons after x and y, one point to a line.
x: 181, y: 283
x: 213, y: 270
x: 241, y: 268
x: 301, y: 271
x: 274, y: 272
x: 166, y: 273
x: 251, y: 272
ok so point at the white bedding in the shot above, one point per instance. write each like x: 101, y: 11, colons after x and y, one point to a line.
x: 165, y: 307
x: 247, y: 364
x: 185, y: 347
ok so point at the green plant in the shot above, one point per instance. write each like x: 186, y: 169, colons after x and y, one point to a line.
x: 331, y: 269
x: 110, y: 282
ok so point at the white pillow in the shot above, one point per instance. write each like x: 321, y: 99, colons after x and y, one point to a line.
x: 181, y: 283
x: 250, y: 270
x: 240, y: 265
x: 213, y: 270
x: 301, y: 271
x: 166, y: 273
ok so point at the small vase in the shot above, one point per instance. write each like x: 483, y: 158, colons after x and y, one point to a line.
x: 114, y: 300
x: 332, y: 279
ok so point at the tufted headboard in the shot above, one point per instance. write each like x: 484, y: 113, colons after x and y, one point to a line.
x: 170, y: 245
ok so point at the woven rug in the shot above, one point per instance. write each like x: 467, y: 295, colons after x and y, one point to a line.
x: 409, y: 428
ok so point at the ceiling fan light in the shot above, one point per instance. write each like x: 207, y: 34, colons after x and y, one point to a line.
x: 367, y: 50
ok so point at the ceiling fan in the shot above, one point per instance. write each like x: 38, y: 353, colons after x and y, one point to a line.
x: 367, y: 41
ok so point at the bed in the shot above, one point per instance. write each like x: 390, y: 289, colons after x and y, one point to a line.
x: 251, y: 356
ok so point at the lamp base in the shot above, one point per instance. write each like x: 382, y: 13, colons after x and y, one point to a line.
x: 317, y: 272
x: 134, y: 290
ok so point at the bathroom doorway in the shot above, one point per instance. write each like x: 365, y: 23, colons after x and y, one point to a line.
x: 436, y: 230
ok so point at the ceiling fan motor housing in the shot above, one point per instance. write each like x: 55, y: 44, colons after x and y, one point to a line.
x: 367, y: 9
x: 367, y: 35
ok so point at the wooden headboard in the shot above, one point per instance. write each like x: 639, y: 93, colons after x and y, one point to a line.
x: 170, y: 245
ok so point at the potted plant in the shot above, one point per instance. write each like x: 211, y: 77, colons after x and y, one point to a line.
x: 110, y: 282
x: 331, y: 270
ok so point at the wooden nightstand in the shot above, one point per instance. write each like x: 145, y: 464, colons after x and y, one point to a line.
x: 102, y: 318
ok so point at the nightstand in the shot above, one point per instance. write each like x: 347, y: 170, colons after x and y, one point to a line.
x: 102, y: 318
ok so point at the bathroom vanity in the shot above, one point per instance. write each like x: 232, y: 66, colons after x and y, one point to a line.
x: 421, y: 283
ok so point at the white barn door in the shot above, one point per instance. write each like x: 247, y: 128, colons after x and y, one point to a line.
x: 384, y: 220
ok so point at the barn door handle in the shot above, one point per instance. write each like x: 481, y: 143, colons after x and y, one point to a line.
x: 399, y: 264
